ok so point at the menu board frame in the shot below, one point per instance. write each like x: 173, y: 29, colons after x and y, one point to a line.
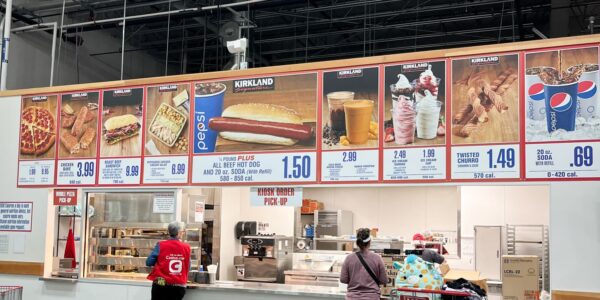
x: 96, y: 158
x: 55, y: 146
x: 518, y: 143
x: 446, y: 114
x: 317, y: 133
x: 560, y: 142
x: 317, y: 151
x: 379, y: 102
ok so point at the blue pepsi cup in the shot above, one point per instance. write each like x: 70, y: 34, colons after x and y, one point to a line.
x: 561, y: 106
x: 208, y: 104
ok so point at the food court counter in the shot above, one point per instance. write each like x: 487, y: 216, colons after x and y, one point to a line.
x: 255, y: 290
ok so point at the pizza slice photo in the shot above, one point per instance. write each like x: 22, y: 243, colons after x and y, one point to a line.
x: 37, y: 131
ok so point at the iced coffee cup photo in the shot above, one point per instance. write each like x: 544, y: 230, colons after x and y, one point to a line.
x: 350, y: 109
x: 415, y: 104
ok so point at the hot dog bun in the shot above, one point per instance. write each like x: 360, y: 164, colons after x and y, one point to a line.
x: 267, y: 139
x: 263, y: 112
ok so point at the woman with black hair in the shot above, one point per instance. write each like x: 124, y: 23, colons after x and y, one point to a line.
x: 364, y: 270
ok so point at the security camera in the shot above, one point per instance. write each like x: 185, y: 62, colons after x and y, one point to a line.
x: 237, y: 46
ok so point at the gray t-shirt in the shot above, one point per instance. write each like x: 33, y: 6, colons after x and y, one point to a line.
x: 432, y: 256
x: 360, y: 284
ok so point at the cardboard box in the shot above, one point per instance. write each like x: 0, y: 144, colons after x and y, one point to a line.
x: 520, y: 277
x: 388, y: 261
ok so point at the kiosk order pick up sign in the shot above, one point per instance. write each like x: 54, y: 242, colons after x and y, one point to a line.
x: 527, y: 114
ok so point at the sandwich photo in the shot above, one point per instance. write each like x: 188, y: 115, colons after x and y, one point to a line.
x: 261, y: 124
x: 120, y: 128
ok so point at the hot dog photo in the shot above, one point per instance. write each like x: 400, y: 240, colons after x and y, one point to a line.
x: 255, y: 114
x: 122, y: 113
x: 485, y: 99
x: 168, y: 110
x: 351, y: 109
x: 78, y: 125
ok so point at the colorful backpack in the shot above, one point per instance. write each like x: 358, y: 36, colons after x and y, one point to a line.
x: 418, y: 274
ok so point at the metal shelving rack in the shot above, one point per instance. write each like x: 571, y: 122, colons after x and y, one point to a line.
x: 522, y: 236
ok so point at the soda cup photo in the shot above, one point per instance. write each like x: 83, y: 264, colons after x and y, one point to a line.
x: 534, y: 93
x: 561, y: 106
x: 587, y: 95
x: 208, y: 104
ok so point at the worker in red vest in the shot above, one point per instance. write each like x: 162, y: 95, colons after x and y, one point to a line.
x: 171, y: 261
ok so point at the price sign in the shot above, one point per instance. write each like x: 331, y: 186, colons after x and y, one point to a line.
x: 252, y: 168
x: 120, y: 171
x: 414, y: 163
x: 562, y: 160
x: 358, y: 165
x: 36, y: 172
x: 166, y: 169
x: 485, y: 162
x: 76, y: 172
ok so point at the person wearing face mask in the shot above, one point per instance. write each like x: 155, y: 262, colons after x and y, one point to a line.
x: 363, y: 271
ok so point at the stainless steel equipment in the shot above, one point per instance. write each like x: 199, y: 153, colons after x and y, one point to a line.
x: 122, y: 231
x: 332, y: 224
x: 316, y: 268
x: 265, y: 258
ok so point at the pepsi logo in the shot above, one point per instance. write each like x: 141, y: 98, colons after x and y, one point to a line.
x: 586, y: 89
x: 536, y: 91
x: 561, y: 102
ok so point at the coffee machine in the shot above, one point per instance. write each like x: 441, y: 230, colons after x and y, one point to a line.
x: 266, y: 257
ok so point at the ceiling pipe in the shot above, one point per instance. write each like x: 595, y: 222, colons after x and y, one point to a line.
x: 157, y: 14
x: 5, y: 44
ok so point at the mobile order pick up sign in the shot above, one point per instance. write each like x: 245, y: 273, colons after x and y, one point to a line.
x: 276, y: 196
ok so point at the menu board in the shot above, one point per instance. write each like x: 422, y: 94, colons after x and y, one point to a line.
x: 562, y: 125
x: 485, y: 118
x: 255, y: 130
x: 166, y: 144
x: 121, y: 141
x: 78, y: 136
x: 350, y: 126
x: 529, y: 115
x: 37, y: 140
x: 414, y: 130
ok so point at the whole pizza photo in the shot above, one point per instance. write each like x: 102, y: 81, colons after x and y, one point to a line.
x: 38, y: 127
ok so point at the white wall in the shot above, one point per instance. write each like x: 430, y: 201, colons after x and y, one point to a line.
x: 498, y: 206
x: 34, y: 241
x: 396, y: 211
x: 30, y: 57
x: 575, y: 236
x: 501, y: 205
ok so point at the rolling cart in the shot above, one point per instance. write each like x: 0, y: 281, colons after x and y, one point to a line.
x: 420, y: 294
x: 11, y: 292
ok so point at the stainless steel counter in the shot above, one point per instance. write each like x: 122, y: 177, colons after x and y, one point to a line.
x: 272, y: 288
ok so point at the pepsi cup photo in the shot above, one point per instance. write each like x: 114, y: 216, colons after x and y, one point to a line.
x: 534, y: 88
x: 561, y: 95
x: 587, y: 92
x: 561, y: 101
x: 208, y: 103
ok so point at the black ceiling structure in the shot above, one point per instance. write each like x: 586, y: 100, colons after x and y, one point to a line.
x: 191, y: 35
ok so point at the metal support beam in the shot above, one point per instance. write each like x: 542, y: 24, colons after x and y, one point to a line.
x: 5, y: 44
